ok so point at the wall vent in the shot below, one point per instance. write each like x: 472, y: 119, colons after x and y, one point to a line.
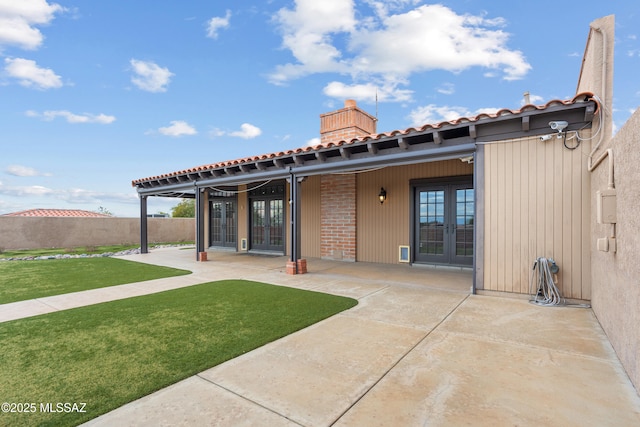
x: 404, y: 254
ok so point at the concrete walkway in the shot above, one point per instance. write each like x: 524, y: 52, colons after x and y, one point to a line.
x: 416, y: 350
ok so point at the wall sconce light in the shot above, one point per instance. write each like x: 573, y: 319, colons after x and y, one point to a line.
x: 382, y: 196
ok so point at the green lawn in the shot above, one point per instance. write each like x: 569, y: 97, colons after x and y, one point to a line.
x: 20, y: 253
x: 22, y: 280
x: 109, y: 354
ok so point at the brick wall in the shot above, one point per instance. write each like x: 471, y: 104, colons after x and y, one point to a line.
x: 345, y: 124
x: 338, y: 217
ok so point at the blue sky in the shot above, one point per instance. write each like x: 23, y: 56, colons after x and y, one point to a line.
x: 95, y: 93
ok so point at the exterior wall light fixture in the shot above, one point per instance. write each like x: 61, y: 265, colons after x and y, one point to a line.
x: 382, y: 196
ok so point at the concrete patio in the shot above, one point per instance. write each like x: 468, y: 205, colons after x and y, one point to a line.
x: 416, y: 350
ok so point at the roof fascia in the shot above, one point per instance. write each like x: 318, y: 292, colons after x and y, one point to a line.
x: 413, y: 146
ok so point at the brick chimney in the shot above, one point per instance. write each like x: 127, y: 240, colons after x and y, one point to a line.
x: 347, y: 123
x: 338, y: 192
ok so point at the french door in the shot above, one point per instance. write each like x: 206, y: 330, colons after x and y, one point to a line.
x: 224, y: 223
x: 267, y: 224
x: 444, y: 223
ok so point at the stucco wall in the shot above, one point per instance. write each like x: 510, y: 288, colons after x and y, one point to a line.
x: 36, y: 233
x: 616, y: 276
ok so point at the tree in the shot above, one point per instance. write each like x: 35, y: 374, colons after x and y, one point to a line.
x: 185, y: 209
x: 104, y: 211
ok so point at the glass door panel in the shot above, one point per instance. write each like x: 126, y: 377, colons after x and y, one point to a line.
x: 230, y: 224
x: 276, y: 222
x: 267, y: 223
x: 258, y: 210
x: 464, y: 224
x: 431, y: 224
x: 216, y: 223
x: 444, y: 226
x: 223, y: 220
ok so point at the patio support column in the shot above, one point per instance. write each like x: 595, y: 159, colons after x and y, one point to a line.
x: 295, y: 265
x: 478, y: 228
x: 144, y: 236
x: 200, y: 199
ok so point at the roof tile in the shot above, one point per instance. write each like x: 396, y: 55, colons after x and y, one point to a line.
x: 76, y: 213
x: 503, y: 112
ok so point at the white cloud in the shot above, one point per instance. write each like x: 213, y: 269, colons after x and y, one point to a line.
x: 433, y: 114
x: 19, y: 18
x: 21, y: 191
x: 306, y: 32
x: 435, y: 37
x: 30, y: 75
x: 390, y: 45
x: 150, y: 76
x: 178, y: 128
x: 382, y: 8
x: 368, y: 92
x: 447, y: 89
x: 247, y: 131
x: 74, y: 195
x: 216, y: 133
x: 19, y: 170
x: 533, y: 99
x: 217, y: 23
x: 313, y: 142
x: 73, y: 118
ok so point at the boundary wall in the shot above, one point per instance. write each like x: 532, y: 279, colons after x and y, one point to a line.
x: 67, y: 233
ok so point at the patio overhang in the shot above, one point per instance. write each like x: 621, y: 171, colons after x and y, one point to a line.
x: 444, y: 141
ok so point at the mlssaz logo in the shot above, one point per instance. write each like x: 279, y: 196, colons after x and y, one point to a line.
x: 63, y: 407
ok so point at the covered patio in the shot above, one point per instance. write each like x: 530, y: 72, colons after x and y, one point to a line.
x: 439, y: 194
x: 414, y: 351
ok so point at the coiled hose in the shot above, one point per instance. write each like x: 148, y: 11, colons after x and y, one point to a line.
x: 546, y: 293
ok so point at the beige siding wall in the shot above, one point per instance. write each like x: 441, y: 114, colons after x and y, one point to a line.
x: 382, y: 228
x: 310, y: 217
x: 536, y: 205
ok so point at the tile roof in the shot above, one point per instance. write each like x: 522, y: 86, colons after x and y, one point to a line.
x: 582, y: 97
x: 76, y: 213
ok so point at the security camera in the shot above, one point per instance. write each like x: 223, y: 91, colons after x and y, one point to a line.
x: 559, y: 125
x: 545, y: 137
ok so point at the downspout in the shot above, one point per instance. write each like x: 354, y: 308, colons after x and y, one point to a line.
x: 591, y: 164
x: 603, y: 94
x: 474, y: 289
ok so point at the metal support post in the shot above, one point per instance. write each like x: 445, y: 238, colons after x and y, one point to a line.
x: 144, y: 236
